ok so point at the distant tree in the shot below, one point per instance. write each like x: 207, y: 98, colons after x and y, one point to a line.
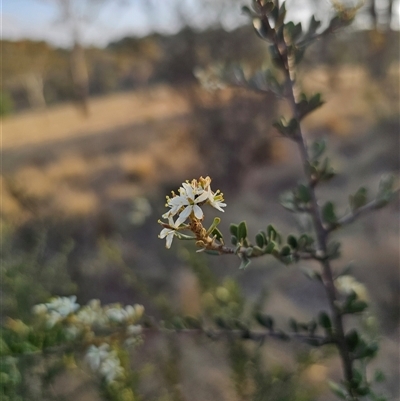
x: 77, y: 15
x: 24, y: 65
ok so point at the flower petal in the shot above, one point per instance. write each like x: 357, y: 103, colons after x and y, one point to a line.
x: 198, y: 212
x: 183, y: 215
x: 170, y: 237
x: 218, y: 205
x: 189, y: 191
x: 205, y: 195
x: 164, y: 232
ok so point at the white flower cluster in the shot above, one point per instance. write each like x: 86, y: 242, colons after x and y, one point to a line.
x: 187, y: 204
x: 91, y: 316
x: 82, y: 321
x: 57, y: 309
x: 104, y: 361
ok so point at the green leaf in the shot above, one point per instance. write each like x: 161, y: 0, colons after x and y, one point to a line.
x: 265, y: 320
x: 265, y: 81
x: 293, y: 31
x: 233, y: 229
x: 262, y: 29
x: 246, y: 10
x: 217, y: 234
x: 325, y: 321
x: 276, y: 57
x: 369, y: 351
x: 256, y: 251
x: 245, y: 261
x: 314, y: 25
x: 287, y: 200
x: 271, y: 233
x: 293, y: 325
x: 288, y: 129
x: 281, y: 16
x: 311, y: 274
x: 240, y: 325
x: 385, y: 192
x: 282, y: 335
x: 263, y: 5
x: 305, y: 241
x: 270, y: 247
x: 178, y: 323
x: 338, y: 390
x: 303, y: 193
x: 285, y: 251
x: 357, y: 377
x: 242, y: 231
x: 192, y: 322
x: 214, y: 224
x: 379, y: 376
x: 328, y: 213
x: 333, y: 251
x: 306, y: 106
x: 312, y: 326
x: 363, y: 390
x: 326, y: 171
x: 317, y: 148
x: 359, y: 199
x: 292, y: 241
x: 356, y: 307
x: 352, y: 340
x: 184, y: 236
x: 298, y: 53
x: 222, y: 323
x: 234, y: 240
x: 260, y: 240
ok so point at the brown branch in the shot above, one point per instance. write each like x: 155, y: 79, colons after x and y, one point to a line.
x: 253, y: 335
x: 321, y: 232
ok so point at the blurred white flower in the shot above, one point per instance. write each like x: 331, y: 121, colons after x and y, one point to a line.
x: 139, y: 310
x: 39, y: 309
x: 89, y: 316
x: 94, y: 304
x: 116, y: 314
x: 111, y: 368
x: 96, y: 355
x: 130, y: 312
x: 347, y: 284
x: 63, y: 305
x: 53, y: 318
x: 141, y: 210
x: 72, y: 332
x: 134, y: 329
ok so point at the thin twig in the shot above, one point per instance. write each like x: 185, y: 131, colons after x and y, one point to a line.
x: 254, y: 335
x: 350, y: 217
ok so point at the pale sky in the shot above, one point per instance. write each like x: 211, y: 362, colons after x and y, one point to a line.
x: 39, y: 19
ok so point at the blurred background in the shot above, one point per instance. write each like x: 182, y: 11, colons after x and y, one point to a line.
x: 102, y: 116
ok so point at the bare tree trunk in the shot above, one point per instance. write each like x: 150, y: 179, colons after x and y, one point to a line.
x: 80, y: 77
x: 390, y: 14
x: 373, y: 14
x: 33, y: 84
